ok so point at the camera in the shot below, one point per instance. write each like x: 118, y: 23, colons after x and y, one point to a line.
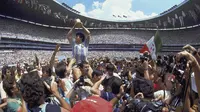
x: 179, y: 69
x: 143, y: 58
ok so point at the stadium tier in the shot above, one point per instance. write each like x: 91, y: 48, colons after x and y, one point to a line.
x: 40, y: 25
x: 52, y: 13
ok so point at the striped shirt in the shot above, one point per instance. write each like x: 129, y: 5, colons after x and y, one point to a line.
x: 79, y: 51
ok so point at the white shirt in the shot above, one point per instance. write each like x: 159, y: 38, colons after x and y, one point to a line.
x: 165, y: 94
x: 193, y: 83
x: 2, y: 92
x: 68, y: 84
x: 79, y: 51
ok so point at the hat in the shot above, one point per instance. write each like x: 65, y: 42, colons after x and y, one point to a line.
x: 93, y: 104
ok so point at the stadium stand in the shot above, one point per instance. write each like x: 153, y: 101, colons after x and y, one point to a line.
x: 31, y: 29
x: 20, y: 30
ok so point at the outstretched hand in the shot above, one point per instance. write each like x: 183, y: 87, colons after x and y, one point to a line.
x: 53, y: 87
x: 189, y: 48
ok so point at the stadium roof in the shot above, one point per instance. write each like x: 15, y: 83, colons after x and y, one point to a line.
x: 53, y: 13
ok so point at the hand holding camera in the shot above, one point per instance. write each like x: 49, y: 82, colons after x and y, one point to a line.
x: 189, y: 48
x: 188, y: 57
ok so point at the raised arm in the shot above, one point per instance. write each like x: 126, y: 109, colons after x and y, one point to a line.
x: 69, y: 34
x: 118, y: 96
x: 54, y: 90
x: 87, y: 32
x: 193, y: 51
x: 95, y: 88
x: 194, y: 64
x: 52, y: 61
x: 70, y: 66
x: 146, y: 72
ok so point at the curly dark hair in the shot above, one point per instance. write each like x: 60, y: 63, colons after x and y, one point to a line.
x: 8, y: 71
x: 61, y: 69
x: 46, y: 69
x: 81, y: 35
x: 33, y: 89
x: 8, y: 83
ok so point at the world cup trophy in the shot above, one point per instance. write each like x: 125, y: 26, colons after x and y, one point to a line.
x: 78, y: 23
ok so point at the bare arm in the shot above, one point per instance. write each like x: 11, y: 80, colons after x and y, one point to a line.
x: 76, y: 73
x: 90, y: 72
x: 23, y: 107
x: 146, y: 72
x: 37, y: 61
x: 86, y: 31
x: 197, y: 57
x: 69, y: 34
x: 52, y: 61
x: 4, y: 103
x: 195, y: 67
x: 193, y: 51
x: 95, y: 88
x: 54, y: 90
x: 118, y: 96
x: 69, y: 67
x: 63, y: 103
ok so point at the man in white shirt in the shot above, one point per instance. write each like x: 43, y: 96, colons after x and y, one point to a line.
x: 79, y: 44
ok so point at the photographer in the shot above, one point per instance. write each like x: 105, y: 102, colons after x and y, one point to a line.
x: 193, y: 64
x: 140, y: 104
x: 142, y: 82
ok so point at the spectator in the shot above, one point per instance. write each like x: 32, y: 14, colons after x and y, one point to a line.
x: 33, y: 94
x: 15, y: 101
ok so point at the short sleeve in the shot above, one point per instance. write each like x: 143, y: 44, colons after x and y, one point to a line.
x: 87, y: 42
x: 2, y: 92
x: 13, y: 106
x: 52, y: 108
x: 73, y: 42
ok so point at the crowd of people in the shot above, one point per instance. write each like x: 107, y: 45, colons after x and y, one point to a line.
x: 26, y: 56
x: 119, y: 84
x: 40, y: 81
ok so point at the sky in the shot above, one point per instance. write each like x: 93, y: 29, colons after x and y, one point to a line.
x: 131, y: 9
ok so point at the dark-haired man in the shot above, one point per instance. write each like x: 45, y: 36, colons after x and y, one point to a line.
x: 79, y: 44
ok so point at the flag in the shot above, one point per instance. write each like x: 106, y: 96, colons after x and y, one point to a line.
x: 153, y: 46
x: 124, y: 16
